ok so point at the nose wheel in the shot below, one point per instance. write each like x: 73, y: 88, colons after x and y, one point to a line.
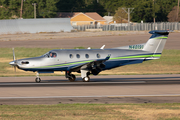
x: 38, y: 79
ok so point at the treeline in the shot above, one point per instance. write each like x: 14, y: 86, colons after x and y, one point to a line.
x: 144, y: 10
x: 10, y: 9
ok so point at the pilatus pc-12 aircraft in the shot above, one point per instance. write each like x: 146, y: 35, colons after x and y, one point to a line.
x: 93, y: 61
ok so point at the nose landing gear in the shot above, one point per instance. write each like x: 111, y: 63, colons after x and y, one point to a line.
x: 38, y: 79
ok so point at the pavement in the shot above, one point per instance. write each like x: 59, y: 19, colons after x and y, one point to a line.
x: 86, y: 41
x: 101, y: 89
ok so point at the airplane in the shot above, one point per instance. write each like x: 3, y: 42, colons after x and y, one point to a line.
x: 93, y: 61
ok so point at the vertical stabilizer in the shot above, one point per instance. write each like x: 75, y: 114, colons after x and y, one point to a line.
x: 156, y: 42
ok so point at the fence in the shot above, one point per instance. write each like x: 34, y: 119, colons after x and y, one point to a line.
x: 35, y: 25
x: 132, y: 26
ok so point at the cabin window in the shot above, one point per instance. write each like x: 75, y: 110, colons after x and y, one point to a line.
x: 52, y: 54
x: 86, y: 55
x: 77, y: 55
x: 98, y: 55
x: 71, y: 56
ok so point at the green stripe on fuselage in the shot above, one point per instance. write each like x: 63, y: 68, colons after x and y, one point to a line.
x: 139, y: 56
x: 161, y: 38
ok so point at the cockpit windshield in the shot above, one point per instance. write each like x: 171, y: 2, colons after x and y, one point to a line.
x: 50, y: 55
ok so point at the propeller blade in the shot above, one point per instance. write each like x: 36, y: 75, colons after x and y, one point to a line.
x: 15, y: 69
x: 13, y: 54
x: 14, y: 62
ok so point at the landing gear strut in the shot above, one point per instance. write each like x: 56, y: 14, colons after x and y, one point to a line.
x: 70, y: 76
x: 38, y: 79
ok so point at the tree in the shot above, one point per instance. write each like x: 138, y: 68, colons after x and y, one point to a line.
x: 44, y: 8
x: 172, y: 16
x: 70, y: 5
x: 143, y: 11
x: 112, y: 5
x: 41, y: 8
x: 4, y: 13
x: 93, y: 6
x: 14, y: 8
x: 28, y: 9
x: 50, y: 10
x: 120, y: 16
x: 165, y: 6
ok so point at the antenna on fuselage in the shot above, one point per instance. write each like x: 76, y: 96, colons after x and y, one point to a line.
x: 102, y: 47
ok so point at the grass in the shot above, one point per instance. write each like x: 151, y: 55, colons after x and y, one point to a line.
x: 170, y: 111
x: 79, y: 48
x: 169, y: 63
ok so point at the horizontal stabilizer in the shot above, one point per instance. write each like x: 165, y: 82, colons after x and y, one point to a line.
x: 161, y: 32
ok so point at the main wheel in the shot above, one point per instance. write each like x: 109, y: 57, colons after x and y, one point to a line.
x: 38, y: 80
x: 86, y: 79
x: 72, y: 78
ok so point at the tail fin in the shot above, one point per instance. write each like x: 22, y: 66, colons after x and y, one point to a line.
x: 156, y: 42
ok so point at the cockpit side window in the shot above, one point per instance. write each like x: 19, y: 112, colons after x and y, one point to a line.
x: 52, y: 55
x: 46, y: 55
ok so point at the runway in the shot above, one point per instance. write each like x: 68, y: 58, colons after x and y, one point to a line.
x: 101, y: 89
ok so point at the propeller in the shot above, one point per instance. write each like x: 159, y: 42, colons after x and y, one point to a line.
x: 14, y: 59
x: 13, y: 54
x: 14, y: 62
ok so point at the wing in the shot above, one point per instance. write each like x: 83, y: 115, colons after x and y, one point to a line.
x: 89, y: 65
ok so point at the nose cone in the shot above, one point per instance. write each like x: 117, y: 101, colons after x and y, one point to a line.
x: 12, y: 63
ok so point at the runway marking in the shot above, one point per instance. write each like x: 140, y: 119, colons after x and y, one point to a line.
x: 70, y: 83
x: 108, y: 96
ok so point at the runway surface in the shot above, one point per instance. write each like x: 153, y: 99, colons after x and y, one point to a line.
x: 101, y: 89
x: 94, y: 42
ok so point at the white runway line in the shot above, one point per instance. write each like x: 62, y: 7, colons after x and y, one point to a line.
x: 74, y: 83
x: 108, y: 96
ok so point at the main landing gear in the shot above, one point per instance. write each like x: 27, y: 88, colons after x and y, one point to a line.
x: 72, y: 77
x: 86, y: 79
x: 38, y: 79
